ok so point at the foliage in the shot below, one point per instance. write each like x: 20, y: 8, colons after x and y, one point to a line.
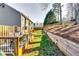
x: 48, y: 48
x: 50, y: 18
x: 2, y: 53
x: 56, y: 7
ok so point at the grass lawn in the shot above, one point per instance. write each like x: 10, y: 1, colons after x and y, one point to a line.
x: 48, y: 48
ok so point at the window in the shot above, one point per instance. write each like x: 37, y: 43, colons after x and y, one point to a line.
x: 3, y: 6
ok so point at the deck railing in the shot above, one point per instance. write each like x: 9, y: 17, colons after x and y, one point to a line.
x: 10, y: 42
x: 9, y: 45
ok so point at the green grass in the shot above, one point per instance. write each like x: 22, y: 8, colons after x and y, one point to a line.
x: 1, y: 53
x: 47, y: 47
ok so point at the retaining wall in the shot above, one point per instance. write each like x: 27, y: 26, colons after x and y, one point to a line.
x: 68, y: 47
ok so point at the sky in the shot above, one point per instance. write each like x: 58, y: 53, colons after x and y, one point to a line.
x: 35, y: 11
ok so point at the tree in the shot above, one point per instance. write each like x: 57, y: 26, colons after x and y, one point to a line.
x: 76, y: 7
x: 50, y: 18
x: 58, y: 11
x: 73, y: 12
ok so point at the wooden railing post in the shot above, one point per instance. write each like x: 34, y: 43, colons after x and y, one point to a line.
x: 17, y: 47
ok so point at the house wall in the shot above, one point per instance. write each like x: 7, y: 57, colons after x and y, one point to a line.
x: 22, y: 23
x: 26, y: 24
x: 38, y: 25
x: 30, y: 25
x: 9, y: 16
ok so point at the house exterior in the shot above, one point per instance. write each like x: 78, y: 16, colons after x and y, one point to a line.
x: 9, y: 16
x: 13, y: 18
x: 38, y: 25
x: 12, y: 23
x: 26, y: 24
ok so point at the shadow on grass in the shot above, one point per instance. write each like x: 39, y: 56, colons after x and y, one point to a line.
x: 33, y: 42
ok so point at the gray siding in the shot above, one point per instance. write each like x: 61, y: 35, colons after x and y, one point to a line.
x: 9, y: 16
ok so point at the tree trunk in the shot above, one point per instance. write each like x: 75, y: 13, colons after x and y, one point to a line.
x: 76, y: 14
x: 60, y: 14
